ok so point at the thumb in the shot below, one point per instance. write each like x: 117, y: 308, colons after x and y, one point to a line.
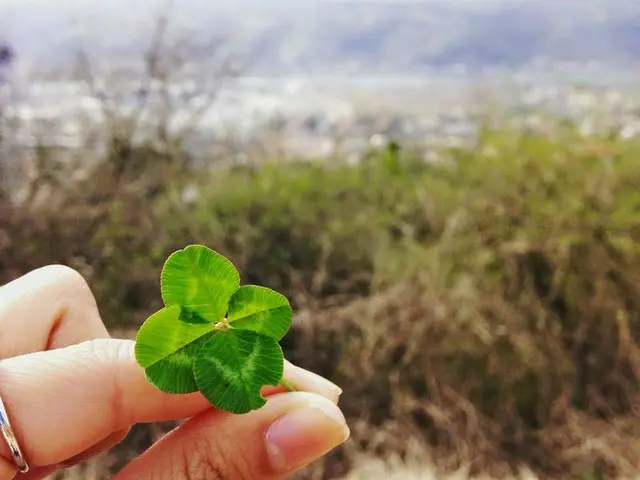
x: 288, y: 433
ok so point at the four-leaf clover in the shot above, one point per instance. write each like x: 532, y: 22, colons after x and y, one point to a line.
x: 214, y: 335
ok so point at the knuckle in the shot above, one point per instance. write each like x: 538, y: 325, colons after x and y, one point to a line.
x: 107, y: 357
x: 68, y: 279
x: 204, y: 459
x: 198, y: 462
x: 70, y: 287
x: 72, y: 291
x: 100, y: 352
x: 106, y: 350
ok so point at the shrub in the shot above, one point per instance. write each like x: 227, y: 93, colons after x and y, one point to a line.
x: 486, y: 305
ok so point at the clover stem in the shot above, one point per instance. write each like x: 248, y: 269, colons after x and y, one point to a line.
x: 222, y: 325
x: 287, y: 385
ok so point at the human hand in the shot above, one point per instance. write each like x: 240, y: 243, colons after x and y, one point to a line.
x: 71, y: 392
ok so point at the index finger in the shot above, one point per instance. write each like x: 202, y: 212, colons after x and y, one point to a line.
x: 60, y: 402
x: 47, y: 308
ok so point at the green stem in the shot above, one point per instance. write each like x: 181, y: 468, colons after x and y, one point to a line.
x: 287, y: 385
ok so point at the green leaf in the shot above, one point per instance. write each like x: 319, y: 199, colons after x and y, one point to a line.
x: 234, y: 365
x: 200, y: 280
x: 189, y: 345
x: 261, y: 310
x: 166, y: 346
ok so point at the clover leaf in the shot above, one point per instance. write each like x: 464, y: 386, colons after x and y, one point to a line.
x: 213, y: 335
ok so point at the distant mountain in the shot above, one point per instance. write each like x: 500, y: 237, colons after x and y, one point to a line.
x: 329, y: 36
x: 557, y: 30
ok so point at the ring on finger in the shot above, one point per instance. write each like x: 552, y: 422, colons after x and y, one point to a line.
x: 12, y: 441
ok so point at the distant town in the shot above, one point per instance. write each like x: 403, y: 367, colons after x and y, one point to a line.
x: 315, y: 116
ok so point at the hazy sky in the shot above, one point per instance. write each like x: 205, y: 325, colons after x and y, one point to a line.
x: 29, y: 24
x: 92, y: 5
x: 131, y: 12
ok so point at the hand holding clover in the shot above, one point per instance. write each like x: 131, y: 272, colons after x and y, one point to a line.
x: 61, y: 367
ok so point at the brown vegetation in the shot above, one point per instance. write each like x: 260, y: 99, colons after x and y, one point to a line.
x: 485, y: 308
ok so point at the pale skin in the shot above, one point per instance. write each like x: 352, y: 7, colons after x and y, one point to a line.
x: 71, y: 391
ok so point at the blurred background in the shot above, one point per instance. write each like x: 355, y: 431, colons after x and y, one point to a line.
x: 447, y: 191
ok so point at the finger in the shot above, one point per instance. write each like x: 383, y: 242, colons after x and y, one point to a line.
x: 310, y: 382
x: 295, y: 375
x: 288, y: 433
x: 60, y: 402
x: 50, y: 307
x: 38, y: 473
x: 103, y: 445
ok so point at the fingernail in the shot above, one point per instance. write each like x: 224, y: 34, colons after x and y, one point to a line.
x: 312, y: 382
x: 301, y: 436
